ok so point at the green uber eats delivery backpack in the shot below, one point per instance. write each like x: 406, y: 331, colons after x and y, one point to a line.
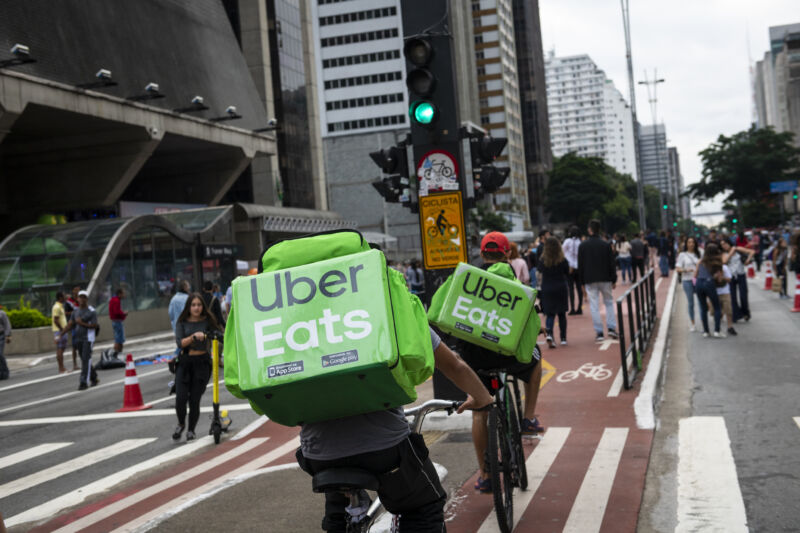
x: 488, y: 308
x: 326, y: 331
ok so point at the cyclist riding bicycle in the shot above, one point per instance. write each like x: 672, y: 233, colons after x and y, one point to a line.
x: 382, y: 443
x: 495, y: 250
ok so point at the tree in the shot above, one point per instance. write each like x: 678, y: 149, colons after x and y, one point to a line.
x: 487, y: 219
x: 578, y: 189
x: 743, y: 165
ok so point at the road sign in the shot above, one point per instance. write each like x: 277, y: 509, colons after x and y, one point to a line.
x: 782, y: 186
x: 441, y: 220
x: 437, y: 170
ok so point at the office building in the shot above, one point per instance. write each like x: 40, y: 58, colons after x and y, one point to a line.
x: 533, y: 102
x: 777, y: 81
x: 588, y: 115
x: 654, y: 160
x: 683, y: 203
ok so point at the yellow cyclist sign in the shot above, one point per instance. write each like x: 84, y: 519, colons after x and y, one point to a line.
x: 441, y: 221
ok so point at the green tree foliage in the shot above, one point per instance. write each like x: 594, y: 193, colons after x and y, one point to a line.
x: 742, y: 165
x: 489, y: 220
x: 582, y: 188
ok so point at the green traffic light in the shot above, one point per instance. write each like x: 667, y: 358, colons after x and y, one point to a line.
x: 666, y: 206
x: 794, y: 196
x: 675, y: 224
x: 423, y: 112
x: 735, y: 220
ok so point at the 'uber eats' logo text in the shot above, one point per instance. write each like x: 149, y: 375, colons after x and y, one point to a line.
x: 270, y: 335
x: 483, y: 290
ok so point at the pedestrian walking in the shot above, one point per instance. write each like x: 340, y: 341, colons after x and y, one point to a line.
x: 531, y: 260
x: 780, y: 258
x: 724, y: 295
x: 624, y: 257
x: 732, y: 256
x: 84, y: 321
x: 5, y: 338
x: 597, y: 272
x: 194, y: 362
x: 554, y: 272
x: 59, y: 323
x: 663, y: 254
x: 638, y: 255
x: 117, y: 316
x: 686, y: 264
x: 518, y: 265
x: 415, y: 278
x: 70, y: 305
x: 574, y: 282
x: 212, y: 302
x: 707, y: 273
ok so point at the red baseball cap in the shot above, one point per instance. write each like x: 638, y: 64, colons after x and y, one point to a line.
x: 494, y: 241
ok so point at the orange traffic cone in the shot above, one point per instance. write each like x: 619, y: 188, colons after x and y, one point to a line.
x: 768, y: 278
x: 133, y: 394
x: 751, y: 271
x: 796, y: 308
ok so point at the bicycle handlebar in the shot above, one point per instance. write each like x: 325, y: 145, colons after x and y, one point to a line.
x: 419, y: 412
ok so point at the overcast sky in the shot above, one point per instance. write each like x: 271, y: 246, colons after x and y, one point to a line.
x: 700, y: 48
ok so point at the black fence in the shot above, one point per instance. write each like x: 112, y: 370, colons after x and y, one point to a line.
x: 634, y: 338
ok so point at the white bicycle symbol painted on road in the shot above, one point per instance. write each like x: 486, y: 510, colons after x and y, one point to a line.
x: 588, y: 370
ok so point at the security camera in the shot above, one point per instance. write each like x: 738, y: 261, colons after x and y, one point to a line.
x: 272, y: 122
x: 103, y: 74
x: 231, y: 110
x: 151, y: 87
x: 197, y: 100
x: 20, y: 50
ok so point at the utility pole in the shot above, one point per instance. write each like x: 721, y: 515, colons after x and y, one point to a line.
x: 626, y: 24
x: 652, y: 98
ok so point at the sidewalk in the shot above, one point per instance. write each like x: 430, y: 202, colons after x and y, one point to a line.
x: 24, y: 361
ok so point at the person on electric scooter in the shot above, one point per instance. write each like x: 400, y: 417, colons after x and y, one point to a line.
x: 382, y: 443
x: 495, y: 249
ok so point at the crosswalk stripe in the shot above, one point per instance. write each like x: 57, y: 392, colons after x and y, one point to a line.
x: 155, y: 514
x: 113, y: 416
x: 538, y: 464
x: 123, y: 503
x: 797, y: 421
x: 30, y: 453
x: 71, y: 499
x: 590, y: 503
x: 709, y: 496
x: 59, y: 470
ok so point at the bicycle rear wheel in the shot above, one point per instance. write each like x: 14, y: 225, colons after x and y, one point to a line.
x: 518, y: 452
x: 499, y: 451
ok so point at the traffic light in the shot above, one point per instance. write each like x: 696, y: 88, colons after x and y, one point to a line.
x: 794, y: 196
x: 484, y: 150
x: 395, y: 187
x: 674, y: 224
x: 420, y: 81
x: 735, y: 220
x: 666, y: 207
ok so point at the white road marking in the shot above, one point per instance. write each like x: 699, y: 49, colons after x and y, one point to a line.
x: 606, y: 344
x: 146, y: 492
x: 616, y: 386
x: 65, y: 374
x: 644, y: 405
x: 659, y: 282
x: 71, y: 499
x: 112, y: 416
x: 589, y: 506
x: 538, y: 464
x: 251, y: 427
x: 709, y: 497
x: 137, y: 523
x: 217, y: 489
x: 67, y: 467
x: 75, y: 393
x: 797, y: 421
x: 30, y: 453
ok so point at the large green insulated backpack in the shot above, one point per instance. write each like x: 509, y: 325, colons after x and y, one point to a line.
x: 326, y: 331
x: 489, y: 308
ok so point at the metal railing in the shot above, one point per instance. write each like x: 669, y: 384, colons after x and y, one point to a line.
x: 640, y: 300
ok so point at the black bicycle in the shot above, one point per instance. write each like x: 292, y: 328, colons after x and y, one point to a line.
x: 355, y: 482
x: 505, y: 456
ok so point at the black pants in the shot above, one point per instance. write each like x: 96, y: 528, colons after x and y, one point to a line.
x: 638, y: 266
x: 739, y: 297
x: 409, y: 486
x: 191, y: 379
x: 87, y: 369
x: 562, y: 324
x: 3, y: 366
x: 574, y: 280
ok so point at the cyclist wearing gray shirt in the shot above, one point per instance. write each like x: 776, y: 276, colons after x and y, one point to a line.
x: 381, y: 443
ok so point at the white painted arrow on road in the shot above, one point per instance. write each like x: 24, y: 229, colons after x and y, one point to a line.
x: 606, y: 343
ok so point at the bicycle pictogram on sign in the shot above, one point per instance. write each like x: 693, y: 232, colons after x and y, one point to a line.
x: 437, y: 171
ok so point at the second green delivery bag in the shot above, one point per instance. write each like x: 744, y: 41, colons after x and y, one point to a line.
x: 326, y: 331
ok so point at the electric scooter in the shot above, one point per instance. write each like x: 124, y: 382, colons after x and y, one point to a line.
x: 219, y: 421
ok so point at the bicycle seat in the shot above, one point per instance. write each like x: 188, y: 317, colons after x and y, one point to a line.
x: 343, y: 479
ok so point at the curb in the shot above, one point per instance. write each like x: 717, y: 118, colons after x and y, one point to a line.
x: 645, y: 403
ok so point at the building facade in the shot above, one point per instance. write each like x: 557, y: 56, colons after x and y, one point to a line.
x: 654, y: 160
x: 683, y: 203
x: 777, y: 81
x: 588, y: 115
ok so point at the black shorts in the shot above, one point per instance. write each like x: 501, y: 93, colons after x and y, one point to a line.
x: 482, y: 359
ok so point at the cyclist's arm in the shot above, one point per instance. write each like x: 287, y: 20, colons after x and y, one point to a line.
x: 462, y: 376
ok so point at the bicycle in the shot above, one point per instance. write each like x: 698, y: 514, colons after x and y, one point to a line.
x: 505, y: 455
x: 354, y: 482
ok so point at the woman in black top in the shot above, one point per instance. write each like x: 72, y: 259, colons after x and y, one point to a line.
x: 554, y: 270
x: 194, y: 361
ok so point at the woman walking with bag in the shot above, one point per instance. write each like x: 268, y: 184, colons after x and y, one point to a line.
x: 554, y: 271
x: 686, y: 265
x: 194, y: 362
x: 707, y: 273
